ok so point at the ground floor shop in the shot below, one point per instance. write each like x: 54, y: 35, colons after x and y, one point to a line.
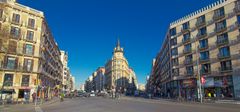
x: 220, y: 87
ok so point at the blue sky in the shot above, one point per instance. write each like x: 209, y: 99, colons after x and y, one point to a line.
x: 88, y: 29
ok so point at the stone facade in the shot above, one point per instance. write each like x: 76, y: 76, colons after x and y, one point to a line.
x: 29, y: 56
x: 203, y: 45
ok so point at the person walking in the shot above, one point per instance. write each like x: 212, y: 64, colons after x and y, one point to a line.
x: 61, y: 97
x: 34, y: 97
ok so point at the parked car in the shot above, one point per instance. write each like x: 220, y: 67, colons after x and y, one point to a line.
x: 92, y: 94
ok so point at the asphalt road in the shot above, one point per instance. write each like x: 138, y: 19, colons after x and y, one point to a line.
x: 126, y: 104
x: 94, y: 104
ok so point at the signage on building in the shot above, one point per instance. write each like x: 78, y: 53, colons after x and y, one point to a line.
x: 209, y: 82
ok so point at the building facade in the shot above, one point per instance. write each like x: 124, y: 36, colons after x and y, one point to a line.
x: 66, y: 76
x: 118, y: 74
x: 89, y: 84
x: 99, y: 80
x: 29, y: 55
x: 201, y: 47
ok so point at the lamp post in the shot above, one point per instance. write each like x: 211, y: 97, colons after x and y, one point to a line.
x: 199, y: 84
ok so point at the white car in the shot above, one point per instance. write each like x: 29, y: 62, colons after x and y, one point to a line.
x: 92, y: 94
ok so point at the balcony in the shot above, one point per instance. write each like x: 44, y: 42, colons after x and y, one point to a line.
x: 25, y: 84
x: 8, y: 83
x: 186, y: 40
x: 225, y: 69
x: 175, y: 64
x: 189, y: 73
x: 221, y: 42
x: 218, y: 16
x: 220, y: 29
x: 16, y: 23
x: 31, y: 27
x: 200, y: 23
x: 188, y: 62
x: 202, y: 60
x: 205, y: 72
x: 237, y: 9
x: 201, y: 35
x: 222, y: 56
x: 185, y: 51
x: 185, y: 30
x: 203, y: 47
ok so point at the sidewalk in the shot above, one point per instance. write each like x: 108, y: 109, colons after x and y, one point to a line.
x: 25, y: 107
x: 228, y: 102
x: 236, y: 102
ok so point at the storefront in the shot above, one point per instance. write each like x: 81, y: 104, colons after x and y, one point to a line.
x: 172, y: 89
x: 188, y: 89
x: 218, y: 87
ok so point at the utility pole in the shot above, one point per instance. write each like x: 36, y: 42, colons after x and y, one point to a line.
x: 199, y: 84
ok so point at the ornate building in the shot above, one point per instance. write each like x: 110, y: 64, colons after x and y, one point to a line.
x: 118, y: 73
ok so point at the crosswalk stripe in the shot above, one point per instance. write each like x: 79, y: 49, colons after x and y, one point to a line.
x: 38, y: 109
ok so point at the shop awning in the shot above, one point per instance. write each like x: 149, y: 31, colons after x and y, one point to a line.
x: 7, y: 91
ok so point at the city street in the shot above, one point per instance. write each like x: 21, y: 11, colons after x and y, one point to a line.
x: 126, y: 104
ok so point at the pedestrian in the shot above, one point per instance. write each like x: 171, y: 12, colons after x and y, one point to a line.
x: 34, y: 97
x: 61, y: 97
x: 209, y: 95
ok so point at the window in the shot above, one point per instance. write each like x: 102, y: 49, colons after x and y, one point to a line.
x: 189, y: 70
x: 219, y: 12
x: 223, y: 38
x: 172, y: 32
x: 226, y: 65
x: 29, y: 49
x: 204, y: 55
x: 221, y: 25
x: 188, y: 59
x: 15, y: 32
x: 200, y: 20
x: 175, y: 72
x: 174, y: 51
x: 224, y: 51
x: 206, y: 68
x: 1, y: 44
x: 238, y: 19
x: 1, y: 13
x: 25, y: 80
x: 175, y: 62
x: 186, y: 37
x: 202, y: 31
x: 188, y: 47
x: 31, y: 23
x: 203, y: 43
x: 8, y: 80
x: 30, y: 35
x: 12, y: 46
x: 16, y: 18
x: 28, y: 64
x: 185, y: 26
x: 11, y: 63
x: 174, y: 41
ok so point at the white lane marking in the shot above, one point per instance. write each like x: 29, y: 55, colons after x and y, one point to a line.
x: 38, y: 109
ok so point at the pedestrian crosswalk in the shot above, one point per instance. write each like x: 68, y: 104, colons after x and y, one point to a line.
x: 38, y: 109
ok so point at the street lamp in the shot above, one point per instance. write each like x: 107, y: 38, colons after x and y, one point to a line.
x: 199, y: 84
